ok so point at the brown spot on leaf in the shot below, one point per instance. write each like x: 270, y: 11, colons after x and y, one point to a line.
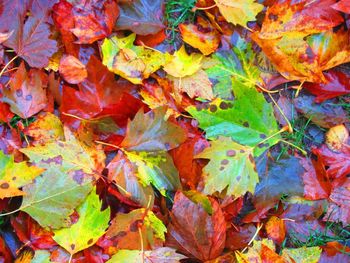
x: 90, y: 241
x: 5, y: 185
x: 135, y: 225
x: 245, y: 124
x: 19, y: 93
x: 29, y: 97
x: 78, y: 177
x: 241, y: 151
x: 222, y: 168
x: 213, y: 108
x: 231, y: 153
x: 223, y: 105
x: 72, y: 246
x: 14, y: 178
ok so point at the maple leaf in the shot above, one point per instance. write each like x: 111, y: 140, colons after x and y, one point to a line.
x: 159, y: 255
x: 201, y: 35
x: 94, y: 21
x: 131, y: 224
x: 231, y: 165
x: 46, y: 128
x: 15, y: 175
x: 239, y: 12
x: 152, y: 132
x: 143, y: 17
x: 26, y: 94
x: 52, y: 198
x: 31, y: 42
x: 91, y: 225
x: 193, y: 231
x: 72, y: 70
x: 133, y: 63
x: 71, y: 155
x: 248, y: 120
x: 233, y: 68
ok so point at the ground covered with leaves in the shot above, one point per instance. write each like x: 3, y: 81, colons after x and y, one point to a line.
x: 174, y: 131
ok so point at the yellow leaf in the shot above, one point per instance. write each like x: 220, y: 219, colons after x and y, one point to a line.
x: 239, y: 12
x: 336, y: 137
x: 181, y: 64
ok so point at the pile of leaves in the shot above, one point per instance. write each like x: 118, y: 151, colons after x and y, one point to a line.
x: 174, y: 131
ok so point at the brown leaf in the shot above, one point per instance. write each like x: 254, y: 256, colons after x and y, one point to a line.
x: 193, y: 231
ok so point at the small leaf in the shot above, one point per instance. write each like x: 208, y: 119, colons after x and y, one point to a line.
x: 15, y: 175
x: 133, y: 63
x: 231, y: 165
x: 72, y: 70
x: 91, y: 225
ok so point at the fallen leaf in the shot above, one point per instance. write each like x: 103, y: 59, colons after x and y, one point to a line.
x: 193, y: 231
x: 201, y: 35
x: 337, y: 137
x: 72, y: 70
x: 343, y: 6
x: 231, y: 168
x: 27, y: 92
x: 91, y: 225
x: 239, y: 12
x: 275, y: 229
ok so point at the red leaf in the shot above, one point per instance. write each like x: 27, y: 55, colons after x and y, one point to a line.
x: 30, y: 233
x: 317, y: 185
x: 94, y: 20
x: 193, y: 231
x: 337, y: 84
x: 338, y: 162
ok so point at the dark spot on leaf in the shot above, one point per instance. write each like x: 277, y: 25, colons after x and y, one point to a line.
x: 4, y: 186
x: 231, y: 153
x: 14, y: 178
x: 245, y: 124
x: 55, y: 160
x: 213, y: 108
x: 224, y: 162
x: 230, y: 105
x: 72, y: 246
x: 241, y: 151
x: 90, y: 241
x: 251, y: 158
x: 199, y: 107
x: 61, y: 144
x: 262, y: 136
x: 19, y: 93
x: 223, y: 105
x: 238, y: 178
x: 29, y: 97
x: 121, y: 234
x: 222, y: 168
x: 135, y: 225
x: 261, y: 145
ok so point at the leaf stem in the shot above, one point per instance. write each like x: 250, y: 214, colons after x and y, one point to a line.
x: 290, y: 128
x: 285, y: 128
x: 253, y: 238
x: 295, y: 146
x: 111, y: 145
x: 194, y: 9
x: 7, y: 64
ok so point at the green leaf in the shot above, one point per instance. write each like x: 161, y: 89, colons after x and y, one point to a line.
x: 231, y: 165
x: 70, y: 155
x: 302, y: 254
x: 91, y: 225
x: 152, y: 132
x: 138, y: 221
x: 248, y: 119
x: 199, y: 198
x: 14, y: 175
x: 159, y: 255
x: 233, y: 67
x: 133, y: 63
x: 156, y: 168
x: 52, y: 198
